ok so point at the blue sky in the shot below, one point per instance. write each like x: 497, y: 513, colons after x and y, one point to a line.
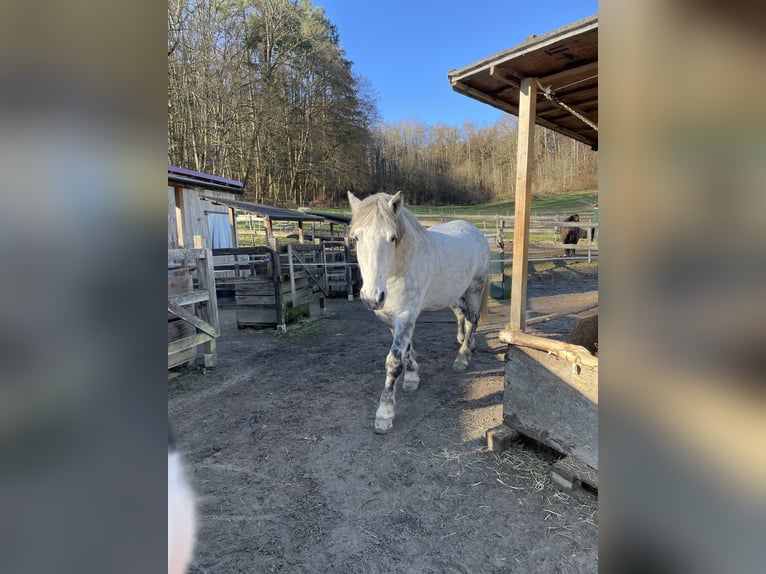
x: 406, y: 48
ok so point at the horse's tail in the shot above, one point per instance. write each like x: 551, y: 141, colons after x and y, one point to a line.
x: 484, y: 299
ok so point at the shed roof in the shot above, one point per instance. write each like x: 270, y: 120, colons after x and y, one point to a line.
x: 266, y: 212
x: 564, y: 61
x: 333, y: 217
x: 203, y: 180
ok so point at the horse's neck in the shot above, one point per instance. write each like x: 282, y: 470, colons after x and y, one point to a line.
x: 417, y: 251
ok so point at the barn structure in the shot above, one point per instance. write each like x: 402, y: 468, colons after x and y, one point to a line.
x: 551, y: 392
x: 194, y: 228
x: 193, y: 222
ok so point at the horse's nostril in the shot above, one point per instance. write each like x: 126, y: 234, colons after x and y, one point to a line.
x: 381, y: 297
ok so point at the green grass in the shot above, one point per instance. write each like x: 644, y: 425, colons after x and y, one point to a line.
x: 574, y: 202
x: 577, y: 201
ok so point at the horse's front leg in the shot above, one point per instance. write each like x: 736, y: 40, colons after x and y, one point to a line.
x: 411, y: 376
x: 384, y: 417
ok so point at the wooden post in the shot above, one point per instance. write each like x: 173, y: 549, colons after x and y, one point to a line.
x: 292, y: 272
x: 233, y: 224
x: 270, y: 239
x: 347, y: 261
x: 300, y: 232
x: 206, y: 275
x: 276, y: 272
x: 524, y: 165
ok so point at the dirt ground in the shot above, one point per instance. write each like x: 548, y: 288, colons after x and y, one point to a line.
x: 291, y: 477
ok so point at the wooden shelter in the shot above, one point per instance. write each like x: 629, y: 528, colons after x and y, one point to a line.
x: 274, y: 284
x: 194, y: 223
x: 268, y: 214
x: 194, y: 228
x: 552, y: 81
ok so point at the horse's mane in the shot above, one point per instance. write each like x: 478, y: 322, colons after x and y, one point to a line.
x: 376, y: 207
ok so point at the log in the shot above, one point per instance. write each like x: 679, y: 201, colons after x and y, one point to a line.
x: 558, y: 314
x: 574, y: 353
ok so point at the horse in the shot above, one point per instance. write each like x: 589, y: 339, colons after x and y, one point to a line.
x: 182, y: 514
x: 571, y: 235
x: 407, y: 269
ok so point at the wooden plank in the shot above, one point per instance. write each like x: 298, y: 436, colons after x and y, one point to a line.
x: 564, y: 77
x: 182, y: 357
x: 189, y: 254
x: 545, y: 401
x: 559, y: 314
x: 253, y: 315
x: 245, y: 300
x: 572, y: 353
x: 524, y: 169
x: 242, y: 251
x: 188, y: 342
x: 178, y: 329
x: 196, y: 296
x: 206, y: 275
x: 292, y: 271
x: 180, y: 284
x: 192, y: 319
x: 279, y: 315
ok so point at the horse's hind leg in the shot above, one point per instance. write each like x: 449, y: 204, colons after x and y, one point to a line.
x: 459, y: 310
x: 411, y: 377
x: 472, y: 310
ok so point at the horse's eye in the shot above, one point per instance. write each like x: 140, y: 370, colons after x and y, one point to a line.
x: 393, y: 238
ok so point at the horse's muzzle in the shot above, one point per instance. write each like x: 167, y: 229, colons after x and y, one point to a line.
x: 376, y: 302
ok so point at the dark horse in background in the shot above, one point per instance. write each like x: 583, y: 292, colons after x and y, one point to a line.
x: 571, y: 235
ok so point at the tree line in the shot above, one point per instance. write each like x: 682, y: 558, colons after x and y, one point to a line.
x: 261, y: 91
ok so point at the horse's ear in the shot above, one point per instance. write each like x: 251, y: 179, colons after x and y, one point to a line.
x: 353, y: 200
x: 396, y: 202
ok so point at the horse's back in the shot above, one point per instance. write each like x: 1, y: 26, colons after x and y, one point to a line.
x: 462, y: 257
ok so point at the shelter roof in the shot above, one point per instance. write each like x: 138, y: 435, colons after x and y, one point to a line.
x: 266, y: 212
x: 203, y: 180
x: 334, y: 217
x: 564, y: 61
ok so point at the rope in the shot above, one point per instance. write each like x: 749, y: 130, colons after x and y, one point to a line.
x: 551, y: 96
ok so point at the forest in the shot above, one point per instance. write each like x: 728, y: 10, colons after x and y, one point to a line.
x: 262, y: 91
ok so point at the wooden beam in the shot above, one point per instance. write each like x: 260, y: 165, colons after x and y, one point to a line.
x: 188, y: 343
x: 559, y: 314
x: 192, y: 319
x: 565, y: 77
x: 524, y: 169
x: 196, y: 296
x: 233, y: 225
x: 573, y: 353
x: 270, y: 240
x: 505, y: 78
x: 511, y: 109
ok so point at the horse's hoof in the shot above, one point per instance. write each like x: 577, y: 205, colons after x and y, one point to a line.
x: 411, y: 382
x: 460, y: 364
x: 382, y: 426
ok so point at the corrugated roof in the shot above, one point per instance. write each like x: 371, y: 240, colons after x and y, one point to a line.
x: 203, y: 180
x: 564, y: 61
x: 334, y: 217
x: 266, y: 211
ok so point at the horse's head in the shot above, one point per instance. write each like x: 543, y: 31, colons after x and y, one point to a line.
x: 375, y: 226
